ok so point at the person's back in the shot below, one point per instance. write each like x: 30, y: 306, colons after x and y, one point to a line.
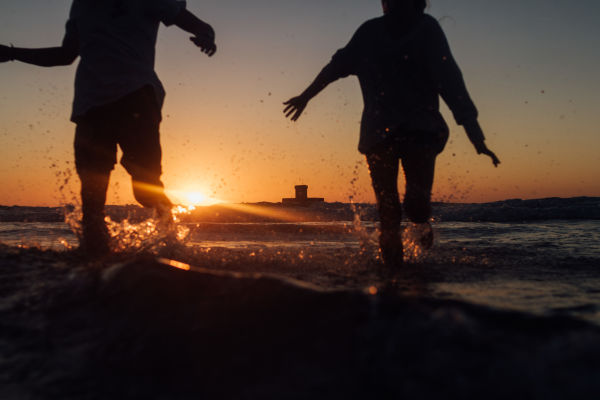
x: 389, y: 61
x: 117, y: 41
x: 403, y: 65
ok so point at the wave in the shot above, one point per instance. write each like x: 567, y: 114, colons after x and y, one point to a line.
x: 138, y: 328
x: 516, y: 210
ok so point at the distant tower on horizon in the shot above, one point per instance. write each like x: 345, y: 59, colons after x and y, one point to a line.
x: 302, y: 198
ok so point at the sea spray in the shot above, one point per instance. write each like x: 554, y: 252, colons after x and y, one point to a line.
x: 368, y: 239
x: 412, y: 240
x: 148, y: 235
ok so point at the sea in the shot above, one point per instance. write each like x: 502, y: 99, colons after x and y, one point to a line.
x: 539, y: 257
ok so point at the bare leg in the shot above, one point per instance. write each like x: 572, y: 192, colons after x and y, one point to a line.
x: 95, y: 237
x: 95, y: 156
x: 142, y: 153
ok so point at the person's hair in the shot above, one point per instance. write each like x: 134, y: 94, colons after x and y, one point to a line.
x: 420, y: 5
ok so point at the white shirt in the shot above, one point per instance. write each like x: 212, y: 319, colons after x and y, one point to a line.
x: 117, y: 40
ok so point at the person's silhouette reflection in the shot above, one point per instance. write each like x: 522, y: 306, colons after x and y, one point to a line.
x: 118, y: 97
x: 403, y: 63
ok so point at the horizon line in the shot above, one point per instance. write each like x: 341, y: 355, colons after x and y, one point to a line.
x: 264, y: 202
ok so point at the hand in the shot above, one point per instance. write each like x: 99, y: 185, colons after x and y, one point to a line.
x: 206, y: 44
x: 5, y: 53
x: 295, y: 106
x: 490, y: 154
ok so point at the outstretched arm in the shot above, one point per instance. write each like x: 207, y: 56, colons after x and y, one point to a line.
x: 448, y: 77
x: 342, y: 64
x: 45, y: 57
x: 204, y: 34
x: 296, y: 105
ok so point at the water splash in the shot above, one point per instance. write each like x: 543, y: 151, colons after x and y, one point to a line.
x: 368, y: 239
x: 150, y: 235
x: 73, y: 215
x: 65, y: 244
x: 412, y: 240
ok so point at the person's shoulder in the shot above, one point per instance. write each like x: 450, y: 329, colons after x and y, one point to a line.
x: 430, y: 23
x: 75, y: 9
x: 370, y: 25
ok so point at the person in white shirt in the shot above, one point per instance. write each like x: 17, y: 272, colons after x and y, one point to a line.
x: 118, y: 97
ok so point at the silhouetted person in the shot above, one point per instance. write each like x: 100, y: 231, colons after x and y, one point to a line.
x: 403, y: 63
x: 118, y: 97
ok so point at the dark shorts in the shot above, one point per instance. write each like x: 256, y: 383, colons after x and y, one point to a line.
x: 131, y: 122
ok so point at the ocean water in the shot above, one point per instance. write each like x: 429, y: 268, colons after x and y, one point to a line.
x: 544, y: 267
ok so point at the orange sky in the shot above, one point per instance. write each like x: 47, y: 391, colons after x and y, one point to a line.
x: 224, y: 134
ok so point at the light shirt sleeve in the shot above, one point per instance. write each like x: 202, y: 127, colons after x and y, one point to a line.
x: 165, y: 10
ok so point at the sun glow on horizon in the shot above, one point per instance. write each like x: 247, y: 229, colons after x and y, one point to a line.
x: 193, y: 198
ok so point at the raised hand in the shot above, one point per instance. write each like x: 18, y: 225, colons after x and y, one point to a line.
x: 294, y: 107
x: 207, y: 45
x: 5, y: 53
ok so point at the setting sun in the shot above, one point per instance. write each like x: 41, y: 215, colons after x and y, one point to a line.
x: 192, y: 198
x: 195, y: 198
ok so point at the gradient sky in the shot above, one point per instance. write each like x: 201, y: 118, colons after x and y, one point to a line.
x: 532, y: 68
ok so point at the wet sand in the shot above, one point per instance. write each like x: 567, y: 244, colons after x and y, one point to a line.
x: 131, y: 327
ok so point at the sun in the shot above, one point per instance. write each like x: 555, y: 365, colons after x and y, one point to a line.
x: 195, y: 198
x: 192, y: 197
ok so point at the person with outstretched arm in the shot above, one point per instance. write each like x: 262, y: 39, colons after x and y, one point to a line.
x: 403, y: 63
x: 118, y: 98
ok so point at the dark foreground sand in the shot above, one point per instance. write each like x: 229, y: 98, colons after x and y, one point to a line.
x: 139, y: 329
